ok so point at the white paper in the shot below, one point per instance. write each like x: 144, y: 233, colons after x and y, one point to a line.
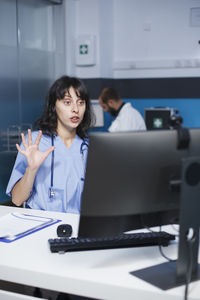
x: 98, y: 111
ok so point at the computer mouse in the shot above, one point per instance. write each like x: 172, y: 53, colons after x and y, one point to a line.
x: 64, y: 230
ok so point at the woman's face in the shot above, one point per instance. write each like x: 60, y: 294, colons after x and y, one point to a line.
x: 70, y: 110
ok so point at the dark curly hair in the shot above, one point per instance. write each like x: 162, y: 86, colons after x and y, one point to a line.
x: 48, y: 121
x: 109, y: 93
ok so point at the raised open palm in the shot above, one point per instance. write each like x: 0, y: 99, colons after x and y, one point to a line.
x: 31, y: 151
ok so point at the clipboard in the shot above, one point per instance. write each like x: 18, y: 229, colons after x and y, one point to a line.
x: 14, y: 226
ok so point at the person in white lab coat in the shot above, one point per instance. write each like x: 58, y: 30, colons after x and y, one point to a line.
x: 127, y: 118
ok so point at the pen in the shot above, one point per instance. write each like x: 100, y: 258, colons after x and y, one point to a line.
x: 8, y: 237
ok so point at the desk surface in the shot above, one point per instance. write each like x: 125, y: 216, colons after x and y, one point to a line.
x: 102, y: 274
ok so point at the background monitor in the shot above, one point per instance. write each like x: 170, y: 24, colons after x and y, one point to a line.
x: 133, y: 180
x: 159, y: 118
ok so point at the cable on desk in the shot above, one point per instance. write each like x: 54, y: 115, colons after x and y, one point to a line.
x: 160, y: 227
x: 190, y: 244
x: 175, y: 229
x: 160, y: 246
x: 163, y: 254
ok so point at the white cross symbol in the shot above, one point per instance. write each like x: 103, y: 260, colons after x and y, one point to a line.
x: 158, y: 123
x: 83, y: 49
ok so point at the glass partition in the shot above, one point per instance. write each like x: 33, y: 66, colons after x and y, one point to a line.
x: 31, y: 56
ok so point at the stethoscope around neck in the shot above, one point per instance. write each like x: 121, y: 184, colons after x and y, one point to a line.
x: 83, y: 148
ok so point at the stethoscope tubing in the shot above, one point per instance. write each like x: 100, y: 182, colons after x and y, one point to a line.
x: 52, y: 161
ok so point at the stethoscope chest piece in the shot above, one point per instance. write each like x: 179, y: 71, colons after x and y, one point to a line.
x: 51, y: 193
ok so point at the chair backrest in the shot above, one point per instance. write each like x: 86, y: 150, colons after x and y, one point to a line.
x: 7, y: 160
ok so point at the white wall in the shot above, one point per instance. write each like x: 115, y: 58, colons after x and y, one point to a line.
x: 136, y: 38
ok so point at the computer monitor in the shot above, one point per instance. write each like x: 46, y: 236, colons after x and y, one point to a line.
x: 133, y: 180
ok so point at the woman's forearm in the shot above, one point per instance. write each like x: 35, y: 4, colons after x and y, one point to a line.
x: 22, y: 189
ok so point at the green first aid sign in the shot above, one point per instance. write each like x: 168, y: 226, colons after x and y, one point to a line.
x: 83, y: 49
x: 157, y: 123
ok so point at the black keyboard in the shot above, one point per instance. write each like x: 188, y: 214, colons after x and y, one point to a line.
x: 125, y: 240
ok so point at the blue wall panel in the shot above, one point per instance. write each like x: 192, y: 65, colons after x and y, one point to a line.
x: 189, y: 109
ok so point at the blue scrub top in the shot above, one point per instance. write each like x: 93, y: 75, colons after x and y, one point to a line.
x: 68, y: 176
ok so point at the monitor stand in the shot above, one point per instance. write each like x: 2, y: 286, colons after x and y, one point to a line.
x: 172, y: 274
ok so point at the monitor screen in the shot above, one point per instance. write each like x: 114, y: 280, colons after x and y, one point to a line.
x: 158, y: 118
x: 143, y: 179
x: 132, y: 181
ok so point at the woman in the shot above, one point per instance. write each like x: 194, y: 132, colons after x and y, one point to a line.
x: 49, y: 170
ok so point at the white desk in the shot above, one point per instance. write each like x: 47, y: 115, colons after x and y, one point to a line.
x: 102, y: 274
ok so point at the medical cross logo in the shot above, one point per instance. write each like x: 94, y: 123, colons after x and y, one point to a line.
x: 83, y: 49
x: 157, y: 123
